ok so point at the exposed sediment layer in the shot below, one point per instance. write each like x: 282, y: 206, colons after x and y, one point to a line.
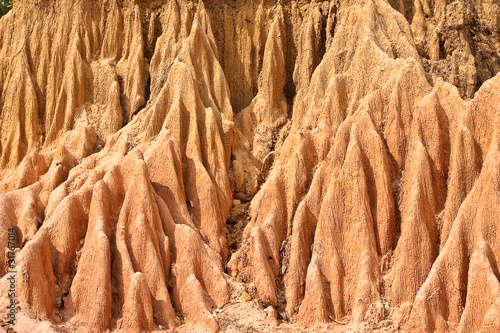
x: 360, y: 137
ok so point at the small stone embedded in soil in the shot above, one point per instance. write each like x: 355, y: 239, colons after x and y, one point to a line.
x: 271, y: 312
x: 246, y: 296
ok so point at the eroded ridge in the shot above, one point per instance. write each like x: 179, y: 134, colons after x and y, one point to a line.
x: 167, y: 164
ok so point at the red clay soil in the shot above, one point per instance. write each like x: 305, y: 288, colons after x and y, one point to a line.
x: 250, y: 166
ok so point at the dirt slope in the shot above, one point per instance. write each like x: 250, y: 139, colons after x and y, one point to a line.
x: 255, y: 166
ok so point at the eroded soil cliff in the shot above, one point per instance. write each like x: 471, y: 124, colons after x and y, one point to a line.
x: 250, y: 165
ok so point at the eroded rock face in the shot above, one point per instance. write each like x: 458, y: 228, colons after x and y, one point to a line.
x: 335, y: 161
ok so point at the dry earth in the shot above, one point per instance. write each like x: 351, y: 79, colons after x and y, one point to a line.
x: 250, y: 166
